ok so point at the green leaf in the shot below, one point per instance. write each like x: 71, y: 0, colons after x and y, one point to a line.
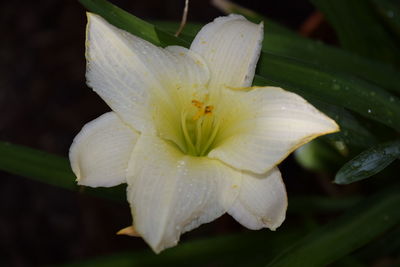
x: 359, y: 29
x: 368, y: 163
x: 50, y: 169
x: 124, y: 20
x: 189, y: 31
x: 227, y: 250
x: 385, y: 247
x: 346, y: 234
x: 333, y: 59
x: 390, y: 12
x: 319, y: 155
x: 228, y: 7
x: 320, y: 204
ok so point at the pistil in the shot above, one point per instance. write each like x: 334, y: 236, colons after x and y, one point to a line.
x: 199, y: 130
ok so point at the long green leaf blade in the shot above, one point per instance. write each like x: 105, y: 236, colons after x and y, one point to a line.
x: 228, y: 7
x: 132, y: 24
x: 346, y: 234
x: 390, y: 12
x: 227, y: 250
x: 368, y: 163
x: 331, y: 58
x: 359, y: 29
x: 48, y: 168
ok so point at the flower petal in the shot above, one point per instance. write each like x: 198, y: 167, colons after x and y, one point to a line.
x: 100, y: 152
x: 231, y: 46
x: 262, y: 201
x: 171, y: 193
x: 127, y: 71
x: 271, y: 124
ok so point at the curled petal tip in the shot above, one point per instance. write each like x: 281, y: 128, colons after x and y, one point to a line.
x: 130, y: 231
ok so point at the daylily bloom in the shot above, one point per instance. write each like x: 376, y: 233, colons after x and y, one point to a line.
x: 187, y: 132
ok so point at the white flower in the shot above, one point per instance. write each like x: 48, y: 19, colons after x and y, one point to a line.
x: 187, y: 133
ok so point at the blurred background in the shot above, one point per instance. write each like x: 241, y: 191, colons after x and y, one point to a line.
x: 44, y: 102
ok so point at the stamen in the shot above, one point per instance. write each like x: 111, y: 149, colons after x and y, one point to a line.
x: 188, y: 140
x: 208, y: 109
x: 210, y: 139
x: 200, y: 112
x: 199, y: 131
x: 197, y: 103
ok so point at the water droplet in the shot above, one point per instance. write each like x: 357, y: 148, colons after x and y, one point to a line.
x: 369, y: 110
x: 356, y: 164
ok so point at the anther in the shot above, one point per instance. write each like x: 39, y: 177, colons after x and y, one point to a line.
x: 197, y: 103
x: 208, y: 109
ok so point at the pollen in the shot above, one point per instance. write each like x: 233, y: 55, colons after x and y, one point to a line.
x: 208, y: 110
x: 202, y: 109
x: 197, y: 103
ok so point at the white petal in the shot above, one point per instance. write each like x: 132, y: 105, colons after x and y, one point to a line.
x: 262, y: 201
x: 171, y: 193
x: 231, y: 46
x: 100, y: 152
x: 267, y: 124
x: 127, y: 72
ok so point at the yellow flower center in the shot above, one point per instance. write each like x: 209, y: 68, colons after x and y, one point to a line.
x: 199, y: 130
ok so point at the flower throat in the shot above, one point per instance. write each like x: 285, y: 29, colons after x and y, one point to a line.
x: 199, y: 128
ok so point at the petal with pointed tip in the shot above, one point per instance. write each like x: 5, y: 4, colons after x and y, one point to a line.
x: 171, y: 193
x: 100, y: 152
x: 128, y: 72
x: 231, y: 47
x: 267, y: 124
x: 262, y: 201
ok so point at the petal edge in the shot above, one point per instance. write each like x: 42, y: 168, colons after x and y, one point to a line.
x: 100, y: 152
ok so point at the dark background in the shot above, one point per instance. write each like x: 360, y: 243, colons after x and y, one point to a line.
x: 44, y: 102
